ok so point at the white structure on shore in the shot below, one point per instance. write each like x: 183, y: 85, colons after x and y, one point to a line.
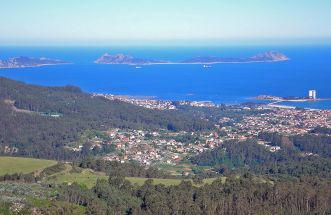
x: 312, y: 94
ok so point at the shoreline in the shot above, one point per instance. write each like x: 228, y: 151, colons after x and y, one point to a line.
x: 36, y: 66
x: 204, y: 103
x: 277, y: 99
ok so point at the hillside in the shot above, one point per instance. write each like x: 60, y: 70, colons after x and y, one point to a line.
x: 11, y: 165
x: 39, y: 121
x: 54, y: 173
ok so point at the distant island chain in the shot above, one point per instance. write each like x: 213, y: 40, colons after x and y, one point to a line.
x: 129, y: 60
x: 27, y: 62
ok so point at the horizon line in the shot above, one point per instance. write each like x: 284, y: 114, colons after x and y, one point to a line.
x: 172, y: 42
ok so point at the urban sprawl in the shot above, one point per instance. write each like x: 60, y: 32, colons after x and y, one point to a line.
x: 170, y: 148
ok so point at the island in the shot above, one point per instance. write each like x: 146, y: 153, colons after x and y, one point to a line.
x: 271, y: 56
x: 126, y: 59
x: 265, y: 57
x: 26, y: 62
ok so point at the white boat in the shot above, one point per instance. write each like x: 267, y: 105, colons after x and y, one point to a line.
x: 207, y: 66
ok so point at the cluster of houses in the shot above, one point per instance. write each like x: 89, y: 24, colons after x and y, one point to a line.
x: 157, y: 147
x: 284, y: 121
x: 154, y: 104
x: 164, y: 147
x: 142, y: 102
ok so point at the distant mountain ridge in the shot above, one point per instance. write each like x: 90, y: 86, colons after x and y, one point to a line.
x: 271, y: 56
x: 24, y: 62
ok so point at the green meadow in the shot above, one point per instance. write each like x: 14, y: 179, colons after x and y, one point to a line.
x: 11, y: 165
x: 89, y: 178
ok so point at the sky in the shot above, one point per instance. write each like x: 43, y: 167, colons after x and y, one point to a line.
x: 163, y: 21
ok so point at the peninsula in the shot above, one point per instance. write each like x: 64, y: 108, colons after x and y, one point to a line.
x: 25, y: 62
x: 278, y: 99
x: 271, y: 56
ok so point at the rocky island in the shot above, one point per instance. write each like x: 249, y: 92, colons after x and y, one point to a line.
x: 25, y: 62
x: 126, y: 59
x: 129, y: 60
x: 265, y: 57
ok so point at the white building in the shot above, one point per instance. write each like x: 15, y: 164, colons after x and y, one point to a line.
x: 312, y: 94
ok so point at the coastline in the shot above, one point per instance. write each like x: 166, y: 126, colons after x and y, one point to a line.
x: 154, y: 102
x: 36, y: 66
x: 290, y: 100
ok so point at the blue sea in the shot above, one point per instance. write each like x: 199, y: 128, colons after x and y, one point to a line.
x: 309, y: 68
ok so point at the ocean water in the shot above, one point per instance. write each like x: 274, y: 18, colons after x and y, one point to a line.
x: 309, y: 68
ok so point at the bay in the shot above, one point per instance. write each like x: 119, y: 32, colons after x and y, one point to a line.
x: 309, y: 68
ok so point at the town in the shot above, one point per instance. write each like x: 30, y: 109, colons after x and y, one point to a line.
x: 153, y: 103
x: 170, y: 148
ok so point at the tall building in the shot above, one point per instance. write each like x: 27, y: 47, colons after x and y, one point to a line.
x: 312, y: 94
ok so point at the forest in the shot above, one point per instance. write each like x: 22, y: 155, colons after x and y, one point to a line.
x: 244, y: 193
x: 235, y: 196
x: 43, y: 120
x: 307, y: 155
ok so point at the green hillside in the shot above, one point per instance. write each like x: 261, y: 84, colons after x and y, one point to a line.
x: 11, y: 165
x: 40, y: 121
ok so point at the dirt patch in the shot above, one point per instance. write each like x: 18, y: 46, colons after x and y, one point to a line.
x: 11, y: 103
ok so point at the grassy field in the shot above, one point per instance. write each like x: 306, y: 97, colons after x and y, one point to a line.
x: 141, y: 181
x: 181, y: 167
x: 167, y: 182
x: 89, y: 178
x: 11, y: 165
x: 86, y: 177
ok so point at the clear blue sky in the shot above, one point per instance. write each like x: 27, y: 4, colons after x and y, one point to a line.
x: 162, y: 21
